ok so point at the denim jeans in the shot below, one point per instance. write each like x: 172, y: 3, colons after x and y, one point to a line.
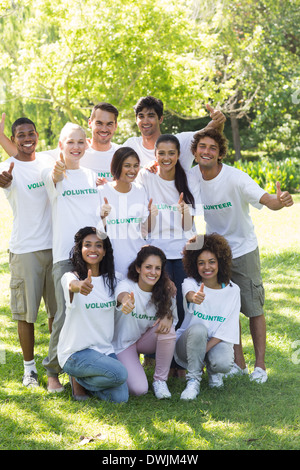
x: 104, y: 376
x: 191, y: 349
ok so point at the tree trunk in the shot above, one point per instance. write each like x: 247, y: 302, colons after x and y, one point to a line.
x: 236, y: 137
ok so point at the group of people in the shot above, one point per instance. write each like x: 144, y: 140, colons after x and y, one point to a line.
x: 106, y: 235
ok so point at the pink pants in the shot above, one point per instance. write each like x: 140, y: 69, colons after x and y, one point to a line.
x: 162, y: 345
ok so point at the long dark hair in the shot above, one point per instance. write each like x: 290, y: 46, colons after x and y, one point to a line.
x: 107, y: 265
x: 181, y: 183
x: 161, y: 293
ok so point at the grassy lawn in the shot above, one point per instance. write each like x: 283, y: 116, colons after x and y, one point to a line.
x: 241, y: 416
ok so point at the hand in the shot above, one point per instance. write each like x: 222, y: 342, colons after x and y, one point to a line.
x: 152, y: 208
x: 59, y: 169
x: 284, y: 197
x: 105, y: 209
x: 100, y: 181
x: 128, y: 305
x: 6, y: 177
x: 217, y: 117
x: 164, y: 325
x: 152, y: 166
x: 182, y: 206
x: 199, y: 296
x: 86, y: 286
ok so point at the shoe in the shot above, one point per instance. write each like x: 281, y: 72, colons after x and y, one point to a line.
x: 30, y: 380
x: 236, y: 370
x: 259, y: 375
x: 191, y: 390
x: 161, y: 390
x: 215, y: 380
x: 77, y: 397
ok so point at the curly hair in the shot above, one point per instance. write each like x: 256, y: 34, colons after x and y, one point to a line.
x: 107, y: 265
x: 217, y: 245
x: 213, y: 134
x: 161, y: 292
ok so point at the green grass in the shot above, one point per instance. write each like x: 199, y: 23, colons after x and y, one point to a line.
x: 242, y: 416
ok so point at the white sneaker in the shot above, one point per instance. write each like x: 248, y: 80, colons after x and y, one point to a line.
x: 191, y: 390
x: 161, y: 390
x: 236, y: 370
x: 30, y: 379
x: 215, y: 380
x: 259, y: 375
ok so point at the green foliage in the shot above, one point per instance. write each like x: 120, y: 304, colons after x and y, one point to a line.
x: 266, y: 172
x: 57, y: 59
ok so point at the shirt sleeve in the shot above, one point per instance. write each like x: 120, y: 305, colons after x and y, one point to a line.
x: 250, y: 190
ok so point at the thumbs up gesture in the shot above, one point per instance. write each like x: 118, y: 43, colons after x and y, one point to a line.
x: 59, y: 169
x: 86, y: 286
x: 105, y: 209
x: 129, y: 303
x: 199, y: 296
x: 152, y: 208
x: 182, y: 206
x: 218, y: 118
x: 283, y: 197
x: 6, y: 177
x: 181, y: 203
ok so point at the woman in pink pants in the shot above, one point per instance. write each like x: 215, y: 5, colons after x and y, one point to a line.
x: 145, y: 319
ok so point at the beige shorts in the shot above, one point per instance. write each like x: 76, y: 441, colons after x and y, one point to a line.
x: 31, y: 280
x: 246, y: 274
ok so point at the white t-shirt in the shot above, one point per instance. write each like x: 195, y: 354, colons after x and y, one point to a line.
x: 147, y: 156
x: 129, y: 328
x: 167, y: 234
x: 226, y: 200
x: 219, y: 312
x: 53, y: 153
x: 89, y: 321
x: 27, y: 196
x: 99, y: 162
x: 75, y: 204
x: 123, y: 225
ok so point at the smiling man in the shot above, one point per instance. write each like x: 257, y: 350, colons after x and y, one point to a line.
x: 98, y: 156
x: 30, y: 245
x: 226, y: 193
x: 100, y: 149
x: 149, y: 116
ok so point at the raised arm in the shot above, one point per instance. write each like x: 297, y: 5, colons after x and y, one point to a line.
x: 5, y: 142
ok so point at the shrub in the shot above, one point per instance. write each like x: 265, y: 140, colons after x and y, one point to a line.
x: 266, y: 172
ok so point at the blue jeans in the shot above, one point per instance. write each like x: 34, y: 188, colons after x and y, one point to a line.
x: 104, y: 376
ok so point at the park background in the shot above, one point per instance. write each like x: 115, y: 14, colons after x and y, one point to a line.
x: 57, y: 60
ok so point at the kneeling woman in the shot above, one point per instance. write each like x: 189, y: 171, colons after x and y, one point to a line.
x: 144, y: 321
x: 212, y: 307
x: 85, y: 348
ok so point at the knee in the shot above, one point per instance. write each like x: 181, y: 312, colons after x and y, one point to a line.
x: 171, y: 336
x: 223, y: 361
x: 138, y: 389
x: 197, y: 332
